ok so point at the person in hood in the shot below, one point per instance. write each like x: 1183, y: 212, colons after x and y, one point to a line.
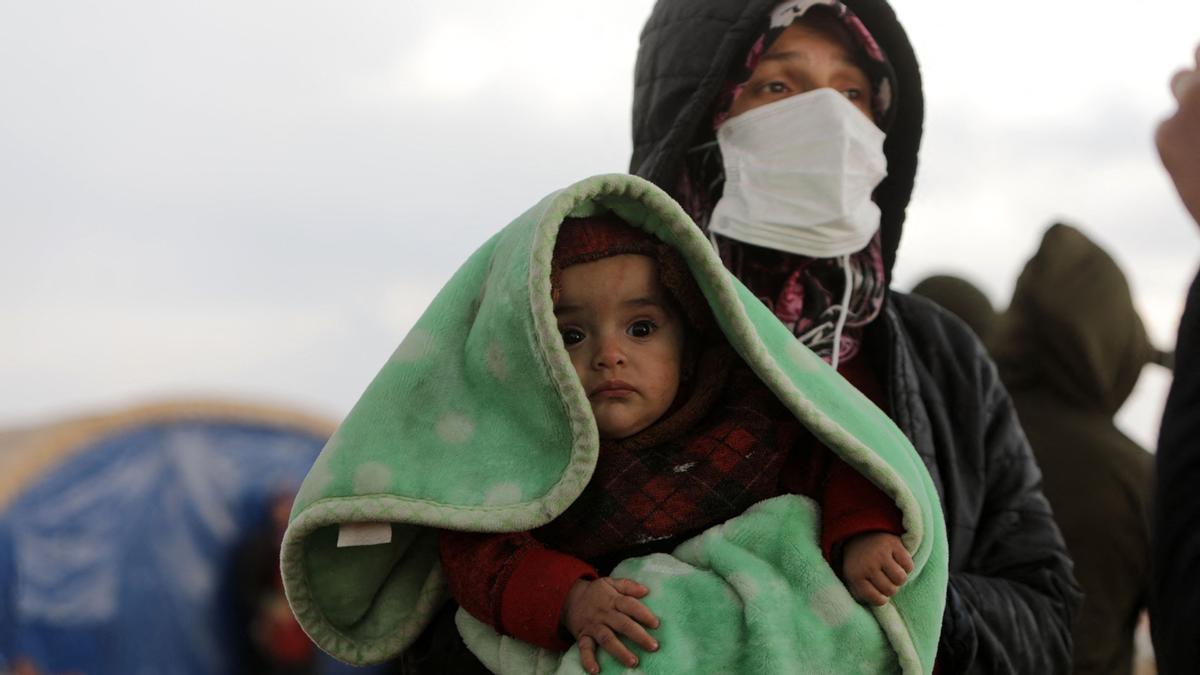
x: 964, y: 300
x: 270, y: 641
x: 1070, y: 350
x: 689, y: 438
x: 1174, y: 595
x: 789, y: 132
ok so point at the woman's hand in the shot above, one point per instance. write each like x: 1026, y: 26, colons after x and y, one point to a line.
x: 874, y: 566
x: 597, y: 611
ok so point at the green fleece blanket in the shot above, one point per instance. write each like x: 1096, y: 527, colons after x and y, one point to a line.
x: 478, y: 422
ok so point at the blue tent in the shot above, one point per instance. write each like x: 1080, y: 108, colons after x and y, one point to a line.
x: 117, y: 533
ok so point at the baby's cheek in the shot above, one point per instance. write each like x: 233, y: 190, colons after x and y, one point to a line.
x: 580, y: 366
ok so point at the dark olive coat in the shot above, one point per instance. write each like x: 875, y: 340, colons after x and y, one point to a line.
x: 1070, y: 350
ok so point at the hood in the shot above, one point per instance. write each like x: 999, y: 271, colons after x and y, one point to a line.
x: 689, y: 47
x: 963, y: 299
x: 1071, y: 327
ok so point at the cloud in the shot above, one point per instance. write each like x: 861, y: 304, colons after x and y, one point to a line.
x: 259, y: 198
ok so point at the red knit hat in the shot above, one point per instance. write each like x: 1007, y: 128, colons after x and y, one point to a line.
x: 582, y: 240
x: 588, y: 239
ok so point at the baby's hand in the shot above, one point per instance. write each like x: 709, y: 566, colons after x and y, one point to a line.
x: 596, y: 611
x: 874, y: 566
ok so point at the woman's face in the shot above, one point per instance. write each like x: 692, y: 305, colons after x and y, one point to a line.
x: 808, y: 55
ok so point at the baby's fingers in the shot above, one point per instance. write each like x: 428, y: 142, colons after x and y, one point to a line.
x: 879, y: 579
x: 630, y: 587
x: 641, y: 613
x: 864, y: 591
x: 634, y: 631
x: 895, y: 573
x: 612, y: 644
x: 587, y: 654
x: 900, y: 565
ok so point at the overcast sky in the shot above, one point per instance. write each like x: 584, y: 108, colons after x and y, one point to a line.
x: 257, y: 199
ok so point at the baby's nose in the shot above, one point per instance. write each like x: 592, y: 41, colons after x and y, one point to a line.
x: 609, y: 354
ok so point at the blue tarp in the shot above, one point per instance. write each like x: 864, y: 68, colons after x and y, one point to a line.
x: 117, y: 561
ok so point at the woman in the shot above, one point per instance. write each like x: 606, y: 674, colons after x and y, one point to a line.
x: 733, y: 116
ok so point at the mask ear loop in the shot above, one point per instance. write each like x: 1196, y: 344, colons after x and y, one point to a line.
x: 841, y: 322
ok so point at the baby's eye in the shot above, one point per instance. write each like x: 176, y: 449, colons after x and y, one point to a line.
x: 572, y: 336
x: 641, y: 329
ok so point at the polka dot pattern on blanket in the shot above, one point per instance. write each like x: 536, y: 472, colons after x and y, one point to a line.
x: 455, y: 428
x: 497, y: 362
x: 504, y: 494
x: 372, y: 478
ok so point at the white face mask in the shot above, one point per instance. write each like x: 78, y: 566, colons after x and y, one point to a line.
x: 799, y: 175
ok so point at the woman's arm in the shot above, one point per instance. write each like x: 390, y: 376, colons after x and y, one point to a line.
x: 1010, y: 606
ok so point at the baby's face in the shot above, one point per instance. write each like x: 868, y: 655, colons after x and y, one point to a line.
x: 624, y: 338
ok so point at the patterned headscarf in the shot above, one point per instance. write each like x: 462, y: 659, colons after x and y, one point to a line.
x: 869, y: 57
x: 805, y: 293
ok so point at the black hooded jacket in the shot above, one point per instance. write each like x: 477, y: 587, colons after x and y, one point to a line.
x: 1175, y: 556
x: 1012, y: 596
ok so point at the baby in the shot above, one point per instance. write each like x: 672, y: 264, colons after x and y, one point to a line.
x: 689, y: 438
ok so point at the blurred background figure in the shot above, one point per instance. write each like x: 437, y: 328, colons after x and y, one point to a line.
x: 270, y: 639
x: 118, y: 534
x: 1070, y: 349
x: 1175, y: 595
x: 963, y: 299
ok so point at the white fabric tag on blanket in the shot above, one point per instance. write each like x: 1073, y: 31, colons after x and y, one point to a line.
x: 363, y: 534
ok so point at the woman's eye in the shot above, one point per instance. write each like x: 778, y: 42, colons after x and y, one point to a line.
x: 853, y: 94
x: 641, y: 329
x: 775, y: 88
x: 572, y: 336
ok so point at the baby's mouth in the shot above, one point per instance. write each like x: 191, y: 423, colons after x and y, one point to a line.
x: 613, y: 389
